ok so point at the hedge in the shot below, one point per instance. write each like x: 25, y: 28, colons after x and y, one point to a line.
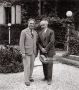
x: 10, y: 60
x: 74, y: 46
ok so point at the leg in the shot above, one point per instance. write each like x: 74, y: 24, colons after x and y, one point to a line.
x: 32, y: 59
x: 45, y: 70
x: 50, y: 66
x: 26, y: 63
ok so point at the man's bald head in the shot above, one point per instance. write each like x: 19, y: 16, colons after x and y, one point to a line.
x: 44, y: 22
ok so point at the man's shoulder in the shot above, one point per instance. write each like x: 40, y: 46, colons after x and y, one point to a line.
x: 35, y: 32
x: 24, y: 30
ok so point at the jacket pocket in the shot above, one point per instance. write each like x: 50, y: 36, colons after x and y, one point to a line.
x: 28, y: 50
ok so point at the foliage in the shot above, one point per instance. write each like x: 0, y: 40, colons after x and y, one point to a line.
x: 10, y: 60
x: 74, y: 46
x: 29, y: 10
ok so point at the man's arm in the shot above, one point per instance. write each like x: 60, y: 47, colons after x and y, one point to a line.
x: 52, y: 40
x: 40, y: 46
x: 22, y: 40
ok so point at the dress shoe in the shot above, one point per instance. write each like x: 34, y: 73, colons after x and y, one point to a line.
x: 49, y: 82
x: 27, y: 83
x: 31, y: 80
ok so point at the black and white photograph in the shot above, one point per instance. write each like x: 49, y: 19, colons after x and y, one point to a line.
x: 39, y: 44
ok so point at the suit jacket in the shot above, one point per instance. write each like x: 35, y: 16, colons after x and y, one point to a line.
x: 27, y: 42
x: 47, y: 41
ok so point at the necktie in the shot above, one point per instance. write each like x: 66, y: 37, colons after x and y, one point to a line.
x: 32, y: 33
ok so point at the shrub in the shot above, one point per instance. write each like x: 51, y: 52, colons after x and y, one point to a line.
x: 74, y: 46
x: 10, y: 60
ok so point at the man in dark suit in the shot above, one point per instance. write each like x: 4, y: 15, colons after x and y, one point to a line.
x: 28, y: 40
x: 46, y: 46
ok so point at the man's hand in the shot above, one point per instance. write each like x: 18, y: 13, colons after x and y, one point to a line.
x: 43, y: 50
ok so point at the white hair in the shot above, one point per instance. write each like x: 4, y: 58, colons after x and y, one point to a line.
x: 44, y: 22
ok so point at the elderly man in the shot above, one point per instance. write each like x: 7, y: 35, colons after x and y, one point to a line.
x: 28, y: 41
x: 46, y: 46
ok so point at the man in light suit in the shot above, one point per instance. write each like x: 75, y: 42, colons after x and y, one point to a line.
x: 46, y: 46
x: 28, y: 40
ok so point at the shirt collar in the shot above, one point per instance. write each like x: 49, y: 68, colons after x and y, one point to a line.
x: 45, y: 30
x: 30, y: 29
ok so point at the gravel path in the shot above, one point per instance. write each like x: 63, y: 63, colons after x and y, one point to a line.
x: 65, y: 77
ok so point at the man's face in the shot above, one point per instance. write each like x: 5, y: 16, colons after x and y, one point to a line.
x: 43, y: 25
x: 31, y: 24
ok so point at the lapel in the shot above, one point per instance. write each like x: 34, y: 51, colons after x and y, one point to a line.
x: 46, y: 34
x: 43, y: 38
x: 41, y: 35
x: 28, y: 32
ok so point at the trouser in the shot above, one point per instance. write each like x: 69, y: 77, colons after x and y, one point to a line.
x: 47, y: 69
x: 28, y: 63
